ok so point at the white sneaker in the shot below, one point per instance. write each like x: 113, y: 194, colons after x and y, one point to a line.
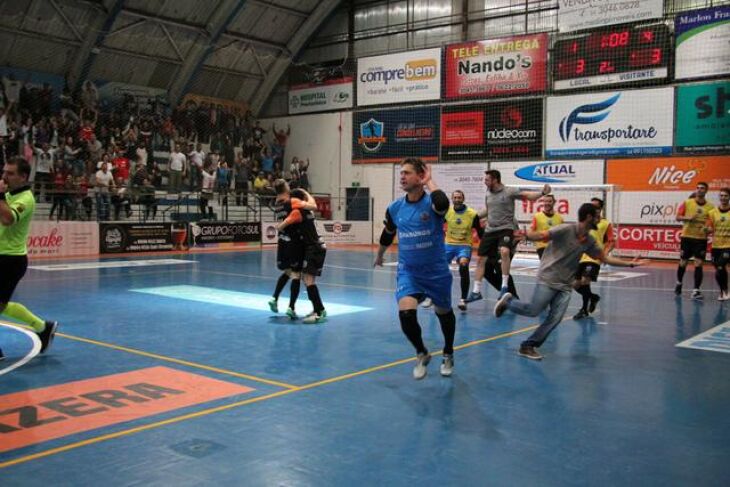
x: 420, y: 370
x: 697, y: 294
x: 426, y: 303
x: 501, y: 305
x: 447, y: 365
x: 724, y: 297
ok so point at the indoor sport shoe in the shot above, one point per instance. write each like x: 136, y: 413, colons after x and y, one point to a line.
x: 697, y: 294
x: 580, y: 314
x: 724, y: 296
x: 447, y: 365
x: 315, y: 318
x: 678, y: 290
x: 426, y: 303
x: 291, y: 314
x: 473, y: 297
x: 46, y: 336
x: 274, y: 305
x: 529, y: 352
x: 2, y: 357
x: 420, y: 370
x: 462, y: 304
x: 501, y: 305
x: 595, y: 298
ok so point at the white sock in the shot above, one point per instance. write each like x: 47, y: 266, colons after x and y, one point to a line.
x: 505, y: 281
x: 477, y: 286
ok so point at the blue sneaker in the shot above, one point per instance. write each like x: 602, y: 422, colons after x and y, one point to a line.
x: 503, y: 291
x: 473, y: 297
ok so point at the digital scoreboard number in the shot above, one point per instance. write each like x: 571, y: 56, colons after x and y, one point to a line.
x: 611, y: 56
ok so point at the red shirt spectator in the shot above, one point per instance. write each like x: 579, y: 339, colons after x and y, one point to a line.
x: 121, y: 167
x: 86, y: 132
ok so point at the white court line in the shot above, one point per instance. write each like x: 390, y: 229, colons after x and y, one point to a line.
x: 110, y: 264
x: 33, y: 352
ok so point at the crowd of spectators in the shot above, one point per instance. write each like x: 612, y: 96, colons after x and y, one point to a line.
x: 86, y: 152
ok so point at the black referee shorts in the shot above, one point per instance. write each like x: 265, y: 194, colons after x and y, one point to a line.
x: 13, y: 269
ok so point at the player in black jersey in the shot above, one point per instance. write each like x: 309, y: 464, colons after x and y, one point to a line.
x: 312, y: 244
x: 289, y: 252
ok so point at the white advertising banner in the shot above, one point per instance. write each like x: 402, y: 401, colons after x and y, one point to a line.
x: 587, y: 14
x: 702, y: 38
x: 269, y: 233
x: 654, y: 207
x: 468, y: 177
x: 334, y: 94
x: 399, y: 78
x: 63, y: 239
x: 355, y: 232
x: 622, y: 123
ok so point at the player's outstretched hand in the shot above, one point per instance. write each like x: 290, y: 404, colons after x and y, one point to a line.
x: 636, y: 262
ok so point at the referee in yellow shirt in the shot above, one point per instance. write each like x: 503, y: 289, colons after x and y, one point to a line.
x: 16, y: 212
x: 718, y: 224
x: 544, y: 220
x: 693, y: 243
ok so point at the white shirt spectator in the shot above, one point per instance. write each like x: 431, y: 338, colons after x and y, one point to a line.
x: 12, y: 89
x: 177, y: 161
x: 142, y: 155
x: 197, y: 158
x: 44, y: 160
x: 104, y: 181
x: 208, y: 182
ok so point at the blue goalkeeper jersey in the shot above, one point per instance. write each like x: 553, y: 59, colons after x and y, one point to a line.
x: 420, y: 235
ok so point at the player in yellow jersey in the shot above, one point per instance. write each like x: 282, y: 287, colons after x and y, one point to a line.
x: 693, y: 244
x: 718, y: 224
x: 16, y: 212
x: 588, y: 268
x: 460, y: 220
x: 544, y: 220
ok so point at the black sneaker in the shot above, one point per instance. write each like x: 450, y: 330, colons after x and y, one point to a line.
x: 580, y: 314
x: 2, y: 357
x: 678, y: 290
x: 595, y: 298
x: 47, y: 334
x: 529, y: 352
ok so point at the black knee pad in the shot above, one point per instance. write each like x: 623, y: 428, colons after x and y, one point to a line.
x: 447, y: 317
x: 408, y: 316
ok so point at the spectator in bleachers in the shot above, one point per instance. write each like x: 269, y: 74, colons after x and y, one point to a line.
x: 104, y: 183
x: 82, y: 195
x: 207, y: 187
x: 120, y: 199
x: 176, y: 169
x: 58, y: 198
x: 196, y: 157
x: 148, y: 199
x: 89, y: 100
x: 242, y: 175
x: 44, y: 168
x: 223, y: 182
x: 267, y: 162
x: 278, y: 147
x: 258, y: 133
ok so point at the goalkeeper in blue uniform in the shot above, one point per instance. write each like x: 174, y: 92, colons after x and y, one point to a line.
x: 418, y: 217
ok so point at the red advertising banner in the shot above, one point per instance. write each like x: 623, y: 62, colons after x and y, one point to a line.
x: 496, y: 67
x: 462, y: 128
x: 657, y: 242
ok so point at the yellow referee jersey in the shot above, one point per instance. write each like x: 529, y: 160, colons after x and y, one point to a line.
x: 542, y: 223
x: 602, y: 235
x: 459, y: 225
x: 719, y: 222
x: 695, y: 228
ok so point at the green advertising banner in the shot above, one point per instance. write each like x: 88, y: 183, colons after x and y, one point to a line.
x: 703, y: 118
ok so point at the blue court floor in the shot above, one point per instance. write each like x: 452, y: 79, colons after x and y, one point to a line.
x: 171, y: 370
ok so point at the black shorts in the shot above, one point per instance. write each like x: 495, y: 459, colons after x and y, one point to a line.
x: 721, y: 257
x: 588, y: 269
x: 491, y: 242
x: 289, y: 255
x: 13, y: 269
x: 692, y: 248
x: 540, y: 251
x: 314, y: 255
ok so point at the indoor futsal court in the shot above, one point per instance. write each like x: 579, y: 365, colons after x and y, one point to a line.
x: 171, y: 370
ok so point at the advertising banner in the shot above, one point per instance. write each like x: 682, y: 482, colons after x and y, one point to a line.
x: 669, y: 173
x: 467, y: 177
x: 138, y: 237
x: 355, y: 232
x: 703, y: 118
x: 334, y: 94
x: 655, y: 207
x: 269, y: 233
x: 659, y: 242
x: 496, y: 67
x: 217, y: 232
x: 586, y: 14
x: 639, y: 122
x: 502, y: 130
x: 390, y: 135
x: 63, y: 239
x: 399, y: 78
x: 701, y: 38
x: 114, y: 91
x: 230, y: 105
x: 555, y: 173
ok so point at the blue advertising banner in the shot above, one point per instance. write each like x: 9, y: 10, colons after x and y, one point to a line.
x: 703, y: 118
x: 389, y: 136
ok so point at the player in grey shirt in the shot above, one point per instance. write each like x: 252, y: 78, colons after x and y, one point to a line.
x: 497, y: 245
x: 555, y: 277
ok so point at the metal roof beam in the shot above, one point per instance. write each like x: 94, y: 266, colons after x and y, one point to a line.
x: 282, y: 8
x: 296, y: 44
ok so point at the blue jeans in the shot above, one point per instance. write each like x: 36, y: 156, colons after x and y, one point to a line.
x: 543, y: 297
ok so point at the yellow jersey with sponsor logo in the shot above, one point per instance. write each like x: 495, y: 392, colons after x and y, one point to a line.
x: 459, y: 225
x: 695, y: 228
x: 14, y: 237
x: 542, y: 223
x: 719, y: 221
x: 602, y: 234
